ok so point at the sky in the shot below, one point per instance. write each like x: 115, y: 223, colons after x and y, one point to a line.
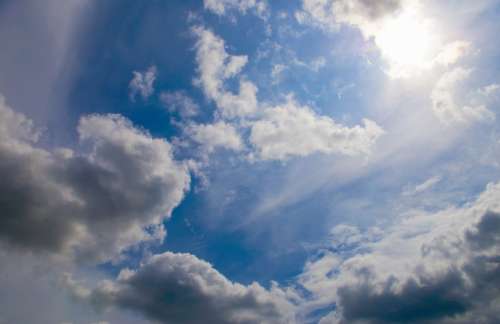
x: 249, y: 161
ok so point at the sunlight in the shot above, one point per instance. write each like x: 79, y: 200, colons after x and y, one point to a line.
x: 408, y: 43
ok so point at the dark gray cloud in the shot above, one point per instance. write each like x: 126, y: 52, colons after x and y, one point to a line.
x: 470, y: 290
x: 418, y: 301
x: 180, y: 288
x: 487, y: 232
x: 432, y: 268
x: 95, y: 203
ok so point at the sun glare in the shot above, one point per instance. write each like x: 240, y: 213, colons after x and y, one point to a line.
x: 408, y: 43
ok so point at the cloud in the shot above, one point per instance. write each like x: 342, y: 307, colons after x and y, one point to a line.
x: 213, y: 136
x: 318, y: 63
x: 215, y: 66
x: 221, y: 7
x: 180, y: 288
x: 276, y: 73
x: 424, y: 186
x: 33, y: 282
x: 404, y: 34
x: 452, y: 52
x: 86, y: 204
x: 276, y: 133
x: 364, y: 14
x: 291, y: 130
x: 489, y: 90
x: 438, y: 267
x: 392, y: 25
x: 143, y: 83
x: 444, y: 104
x: 180, y: 103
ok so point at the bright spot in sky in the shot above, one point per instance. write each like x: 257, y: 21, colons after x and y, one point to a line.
x: 408, y: 42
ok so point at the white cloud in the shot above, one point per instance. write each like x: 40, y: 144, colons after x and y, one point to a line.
x: 180, y: 103
x: 32, y: 281
x: 489, y: 90
x: 213, y: 136
x: 291, y: 130
x: 86, y: 204
x: 180, y: 288
x: 221, y: 7
x: 142, y: 83
x: 239, y: 105
x: 409, y: 40
x: 452, y: 52
x: 424, y: 186
x: 366, y: 15
x: 215, y: 66
x: 276, y: 133
x: 318, y: 63
x: 444, y: 103
x: 435, y: 267
x: 276, y: 72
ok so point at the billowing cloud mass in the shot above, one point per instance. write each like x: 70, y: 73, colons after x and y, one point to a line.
x: 180, y: 288
x: 430, y: 268
x: 143, y: 83
x: 291, y: 130
x: 276, y: 133
x: 215, y: 66
x: 445, y: 105
x: 93, y: 204
x: 221, y: 7
x: 217, y: 135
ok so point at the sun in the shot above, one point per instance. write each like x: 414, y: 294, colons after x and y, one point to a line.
x: 408, y: 42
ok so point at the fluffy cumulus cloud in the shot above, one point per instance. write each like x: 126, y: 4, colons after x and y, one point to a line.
x: 221, y: 7
x: 180, y: 288
x: 142, y: 83
x: 440, y: 267
x: 291, y: 130
x: 92, y: 204
x: 277, y: 132
x: 217, y: 135
x: 215, y: 66
x: 444, y: 101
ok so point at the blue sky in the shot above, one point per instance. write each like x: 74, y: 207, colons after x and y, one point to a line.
x: 249, y: 161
